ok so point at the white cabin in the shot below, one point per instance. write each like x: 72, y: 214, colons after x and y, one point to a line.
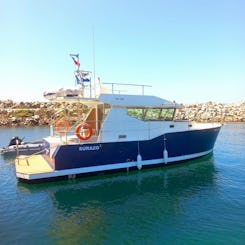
x: 135, y: 117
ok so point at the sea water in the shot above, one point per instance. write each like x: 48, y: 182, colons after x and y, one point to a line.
x: 197, y: 202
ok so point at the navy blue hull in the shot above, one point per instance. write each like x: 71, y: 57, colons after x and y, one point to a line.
x: 177, y: 144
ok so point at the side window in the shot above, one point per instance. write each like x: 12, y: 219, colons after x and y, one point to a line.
x: 136, y: 113
x: 167, y: 114
x: 151, y: 114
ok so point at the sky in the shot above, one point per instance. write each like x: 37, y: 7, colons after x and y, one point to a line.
x: 190, y: 51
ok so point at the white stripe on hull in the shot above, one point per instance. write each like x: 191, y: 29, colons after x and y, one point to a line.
x: 74, y: 171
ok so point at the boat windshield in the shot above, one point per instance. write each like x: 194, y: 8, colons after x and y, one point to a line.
x: 152, y: 114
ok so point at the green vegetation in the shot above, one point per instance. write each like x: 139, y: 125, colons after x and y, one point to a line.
x: 23, y: 113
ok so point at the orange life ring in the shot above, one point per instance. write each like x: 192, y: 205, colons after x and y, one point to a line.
x: 84, y: 126
x: 62, y: 127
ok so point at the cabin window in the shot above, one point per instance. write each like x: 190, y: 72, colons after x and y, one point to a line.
x: 151, y: 114
x: 167, y: 114
x: 136, y: 113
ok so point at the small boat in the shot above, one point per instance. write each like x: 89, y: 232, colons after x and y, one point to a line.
x: 117, y: 132
x: 17, y: 146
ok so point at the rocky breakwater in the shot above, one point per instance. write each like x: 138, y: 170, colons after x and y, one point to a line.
x: 213, y: 112
x: 27, y: 114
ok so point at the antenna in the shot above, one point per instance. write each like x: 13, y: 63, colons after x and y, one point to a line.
x: 94, y: 63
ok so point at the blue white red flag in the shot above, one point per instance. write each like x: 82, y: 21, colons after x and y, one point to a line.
x: 76, y: 62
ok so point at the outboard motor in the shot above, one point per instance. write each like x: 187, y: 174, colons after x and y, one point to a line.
x: 15, y: 141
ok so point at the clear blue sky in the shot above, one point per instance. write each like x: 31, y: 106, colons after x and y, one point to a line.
x: 188, y: 50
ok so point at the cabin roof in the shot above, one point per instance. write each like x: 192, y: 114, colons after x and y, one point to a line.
x: 136, y: 101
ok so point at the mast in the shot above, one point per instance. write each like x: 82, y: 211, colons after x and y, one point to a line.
x: 81, y: 76
x: 94, y: 63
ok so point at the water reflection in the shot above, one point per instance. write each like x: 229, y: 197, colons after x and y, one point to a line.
x: 8, y: 159
x: 90, y: 210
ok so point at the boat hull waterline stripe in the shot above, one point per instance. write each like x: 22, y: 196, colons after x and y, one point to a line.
x: 107, y: 167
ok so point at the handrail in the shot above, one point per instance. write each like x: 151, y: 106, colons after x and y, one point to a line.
x: 128, y: 84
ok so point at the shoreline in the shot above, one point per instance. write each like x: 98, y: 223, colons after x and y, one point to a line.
x: 29, y: 114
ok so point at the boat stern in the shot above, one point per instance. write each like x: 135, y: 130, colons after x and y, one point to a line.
x: 33, y: 167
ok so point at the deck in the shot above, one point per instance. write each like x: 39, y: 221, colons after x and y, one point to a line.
x: 35, y: 164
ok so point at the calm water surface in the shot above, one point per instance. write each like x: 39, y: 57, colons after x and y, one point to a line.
x: 198, y: 202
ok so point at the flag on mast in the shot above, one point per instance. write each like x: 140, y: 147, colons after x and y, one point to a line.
x: 78, y: 80
x: 76, y: 62
x: 82, y: 80
x: 86, y: 79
